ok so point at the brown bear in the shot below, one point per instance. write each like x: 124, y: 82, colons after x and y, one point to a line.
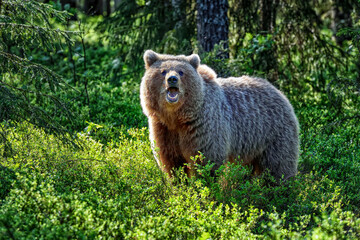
x: 190, y: 110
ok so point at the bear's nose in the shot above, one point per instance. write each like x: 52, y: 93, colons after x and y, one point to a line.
x: 172, y: 80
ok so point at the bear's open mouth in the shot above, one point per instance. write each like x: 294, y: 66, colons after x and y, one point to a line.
x: 172, y: 95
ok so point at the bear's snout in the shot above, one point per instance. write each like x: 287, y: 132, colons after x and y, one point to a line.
x: 172, y: 88
x: 172, y: 81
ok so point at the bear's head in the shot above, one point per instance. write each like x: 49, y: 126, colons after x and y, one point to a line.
x: 170, y: 83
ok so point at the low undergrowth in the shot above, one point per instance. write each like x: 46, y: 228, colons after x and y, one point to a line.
x: 52, y: 191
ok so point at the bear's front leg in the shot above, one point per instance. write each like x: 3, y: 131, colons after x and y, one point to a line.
x: 208, y: 139
x: 166, y: 143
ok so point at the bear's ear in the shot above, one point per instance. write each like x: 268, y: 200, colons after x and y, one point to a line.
x: 194, y: 60
x: 206, y: 73
x: 150, y: 57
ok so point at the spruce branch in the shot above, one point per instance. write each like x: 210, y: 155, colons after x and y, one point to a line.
x: 28, y: 90
x: 34, y: 69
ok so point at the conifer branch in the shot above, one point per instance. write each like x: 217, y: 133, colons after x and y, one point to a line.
x: 28, y: 89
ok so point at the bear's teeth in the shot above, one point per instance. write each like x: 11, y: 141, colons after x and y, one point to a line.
x: 172, y: 96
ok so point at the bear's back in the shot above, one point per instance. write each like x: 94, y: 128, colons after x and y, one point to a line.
x: 259, y: 111
x: 251, y: 92
x: 251, y: 95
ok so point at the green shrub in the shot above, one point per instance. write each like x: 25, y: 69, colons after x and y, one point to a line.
x: 116, y: 190
x: 34, y: 209
x: 7, y: 177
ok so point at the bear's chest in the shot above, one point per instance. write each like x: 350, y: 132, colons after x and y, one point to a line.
x: 189, y: 143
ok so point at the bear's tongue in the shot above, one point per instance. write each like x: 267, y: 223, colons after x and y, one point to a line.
x: 172, y: 94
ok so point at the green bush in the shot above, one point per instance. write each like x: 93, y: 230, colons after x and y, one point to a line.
x: 52, y: 190
x: 7, y: 177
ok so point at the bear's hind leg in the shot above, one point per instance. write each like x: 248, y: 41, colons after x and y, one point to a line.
x: 281, y: 157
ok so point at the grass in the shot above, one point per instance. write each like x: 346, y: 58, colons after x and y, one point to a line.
x: 49, y: 190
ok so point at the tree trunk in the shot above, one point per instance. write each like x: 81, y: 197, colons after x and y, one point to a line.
x: 212, y: 24
x: 108, y: 8
x: 267, y: 25
x: 268, y: 15
x: 179, y: 12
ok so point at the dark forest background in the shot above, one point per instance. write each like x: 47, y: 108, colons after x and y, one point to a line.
x: 75, y: 159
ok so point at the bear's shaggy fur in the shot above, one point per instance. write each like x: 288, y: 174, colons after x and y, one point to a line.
x: 190, y: 110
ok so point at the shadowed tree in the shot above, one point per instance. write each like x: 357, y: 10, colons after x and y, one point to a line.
x: 268, y: 15
x: 212, y: 24
x: 267, y: 25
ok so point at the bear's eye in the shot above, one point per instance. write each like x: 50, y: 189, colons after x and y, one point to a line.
x: 181, y: 73
x: 163, y: 73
